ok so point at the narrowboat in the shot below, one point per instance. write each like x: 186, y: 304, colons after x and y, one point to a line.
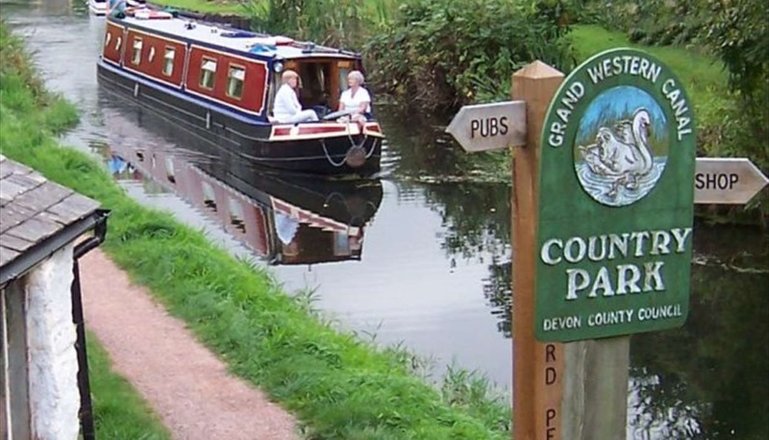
x: 219, y: 83
x: 97, y: 7
x: 102, y: 7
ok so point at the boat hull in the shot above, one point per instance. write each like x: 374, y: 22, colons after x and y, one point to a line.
x: 345, y: 153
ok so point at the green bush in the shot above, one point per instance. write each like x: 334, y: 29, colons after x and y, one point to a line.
x: 333, y: 22
x: 738, y: 33
x: 441, y: 54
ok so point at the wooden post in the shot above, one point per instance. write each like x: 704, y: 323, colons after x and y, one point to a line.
x: 595, y: 389
x: 14, y: 317
x: 574, y: 391
x: 537, y: 368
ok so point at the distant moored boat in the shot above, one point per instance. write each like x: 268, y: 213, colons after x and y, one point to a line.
x: 97, y: 7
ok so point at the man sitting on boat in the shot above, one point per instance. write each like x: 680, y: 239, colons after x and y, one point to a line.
x: 287, y: 108
x: 355, y: 100
x: 115, y: 7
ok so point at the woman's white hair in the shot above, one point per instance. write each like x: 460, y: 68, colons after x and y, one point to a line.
x: 357, y: 75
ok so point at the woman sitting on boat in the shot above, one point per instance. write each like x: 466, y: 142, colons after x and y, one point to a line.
x: 355, y: 100
x: 287, y: 108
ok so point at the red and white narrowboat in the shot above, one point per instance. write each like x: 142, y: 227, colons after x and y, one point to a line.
x: 219, y: 84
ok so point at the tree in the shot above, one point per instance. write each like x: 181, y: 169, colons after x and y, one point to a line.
x: 738, y: 32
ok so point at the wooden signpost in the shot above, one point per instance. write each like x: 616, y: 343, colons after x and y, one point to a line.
x: 602, y: 213
x: 723, y: 180
x: 487, y: 127
x: 538, y: 368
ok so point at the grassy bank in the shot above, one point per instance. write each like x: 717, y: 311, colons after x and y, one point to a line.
x: 225, y: 7
x: 119, y: 411
x: 703, y: 76
x: 339, y: 386
x: 715, y: 109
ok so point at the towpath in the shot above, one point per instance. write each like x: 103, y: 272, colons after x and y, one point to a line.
x: 184, y: 382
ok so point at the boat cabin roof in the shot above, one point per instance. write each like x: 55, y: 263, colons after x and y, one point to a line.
x: 270, y: 46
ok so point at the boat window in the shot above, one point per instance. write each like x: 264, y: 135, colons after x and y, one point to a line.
x: 341, y: 244
x: 170, y: 171
x: 236, y: 214
x: 209, y: 197
x: 343, y: 72
x: 168, y: 61
x: 315, y: 84
x: 136, y: 58
x: 207, y: 73
x: 343, y: 69
x: 235, y: 78
x: 151, y: 55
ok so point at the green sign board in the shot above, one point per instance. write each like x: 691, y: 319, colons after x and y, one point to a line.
x: 615, y: 201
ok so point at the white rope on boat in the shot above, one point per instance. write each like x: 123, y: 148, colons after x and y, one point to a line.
x: 328, y: 156
x: 353, y: 144
x: 373, y: 147
x: 362, y: 142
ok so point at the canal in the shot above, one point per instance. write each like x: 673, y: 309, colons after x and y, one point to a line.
x: 420, y: 255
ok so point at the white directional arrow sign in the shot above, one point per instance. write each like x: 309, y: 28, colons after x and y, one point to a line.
x: 485, y: 127
x: 724, y: 180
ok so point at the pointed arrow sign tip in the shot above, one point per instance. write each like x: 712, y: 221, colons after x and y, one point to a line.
x: 487, y: 127
x: 722, y: 180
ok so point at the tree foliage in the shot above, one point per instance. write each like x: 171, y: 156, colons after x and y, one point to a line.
x: 735, y: 31
x: 440, y: 54
x: 333, y: 22
x: 738, y: 32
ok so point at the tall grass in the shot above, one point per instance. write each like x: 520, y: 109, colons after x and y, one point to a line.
x: 704, y: 76
x: 234, y: 7
x: 720, y: 124
x: 339, y: 386
x: 340, y: 23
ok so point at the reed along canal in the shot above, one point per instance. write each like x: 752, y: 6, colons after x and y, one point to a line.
x: 417, y: 256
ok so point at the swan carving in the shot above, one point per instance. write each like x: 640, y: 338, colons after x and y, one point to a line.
x: 621, y: 153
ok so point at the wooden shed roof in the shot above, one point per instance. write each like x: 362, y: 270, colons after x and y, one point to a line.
x: 34, y: 209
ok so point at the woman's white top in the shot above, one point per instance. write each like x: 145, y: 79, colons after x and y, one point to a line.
x: 286, y: 103
x: 352, y: 103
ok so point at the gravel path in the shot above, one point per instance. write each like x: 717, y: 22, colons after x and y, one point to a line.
x: 187, y: 385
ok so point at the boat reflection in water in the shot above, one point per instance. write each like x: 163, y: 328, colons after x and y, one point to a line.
x: 284, y: 219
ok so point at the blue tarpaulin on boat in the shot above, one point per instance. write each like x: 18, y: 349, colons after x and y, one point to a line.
x: 238, y: 34
x: 259, y: 47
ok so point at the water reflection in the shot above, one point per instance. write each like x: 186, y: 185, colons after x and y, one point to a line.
x: 498, y: 291
x: 715, y: 369
x: 420, y: 150
x: 48, y: 7
x: 476, y: 217
x: 282, y: 219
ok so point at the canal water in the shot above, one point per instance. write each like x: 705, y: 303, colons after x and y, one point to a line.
x: 419, y: 256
